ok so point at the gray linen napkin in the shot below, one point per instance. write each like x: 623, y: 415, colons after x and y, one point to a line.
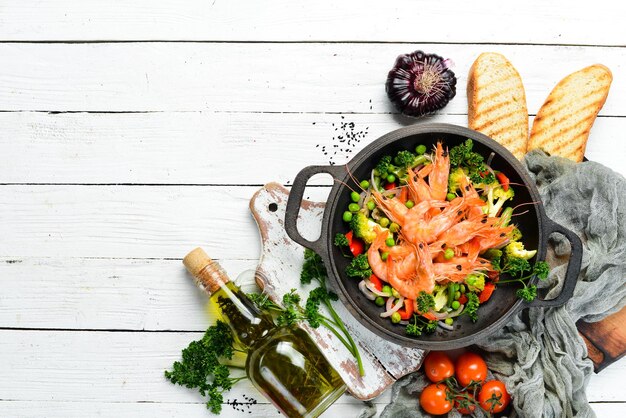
x: 539, y: 355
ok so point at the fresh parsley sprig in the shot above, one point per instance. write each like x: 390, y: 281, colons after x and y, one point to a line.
x: 201, y: 368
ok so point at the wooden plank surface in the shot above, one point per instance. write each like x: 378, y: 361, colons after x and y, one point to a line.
x: 219, y: 76
x: 79, y: 366
x: 240, y: 20
x: 87, y: 248
x: 206, y: 147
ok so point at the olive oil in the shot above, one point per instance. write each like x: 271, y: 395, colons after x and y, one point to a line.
x: 283, y: 363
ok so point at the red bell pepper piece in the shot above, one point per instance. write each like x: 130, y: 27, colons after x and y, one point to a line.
x: 486, y: 293
x: 503, y: 180
x: 378, y: 284
x: 356, y: 245
x: 463, y: 300
x: 390, y: 186
x: 404, y: 195
x: 407, y: 312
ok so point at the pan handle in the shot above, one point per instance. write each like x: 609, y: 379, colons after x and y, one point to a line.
x: 295, y: 201
x: 573, y: 267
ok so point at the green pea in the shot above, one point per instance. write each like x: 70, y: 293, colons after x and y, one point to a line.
x: 371, y: 205
x: 395, y: 317
x: 379, y: 301
x: 384, y: 256
x: 391, y: 178
x: 390, y: 242
x: 456, y: 304
x: 353, y: 207
x: 347, y: 216
x: 387, y: 289
x: 449, y: 321
x: 457, y: 294
x: 448, y: 253
x: 462, y: 288
x: 420, y: 149
x: 450, y: 196
x: 455, y: 286
x: 384, y: 222
x: 395, y: 293
x: 355, y: 196
x: 365, y: 184
x: 409, y: 204
x: 394, y: 227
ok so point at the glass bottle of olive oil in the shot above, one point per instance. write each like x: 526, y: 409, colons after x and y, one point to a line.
x: 283, y: 363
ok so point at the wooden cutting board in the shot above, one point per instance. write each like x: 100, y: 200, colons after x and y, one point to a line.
x: 279, y: 271
x: 606, y: 340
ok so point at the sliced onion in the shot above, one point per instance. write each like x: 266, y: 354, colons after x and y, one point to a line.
x: 391, y: 308
x: 370, y: 286
x: 444, y: 315
x: 365, y: 291
x: 445, y: 326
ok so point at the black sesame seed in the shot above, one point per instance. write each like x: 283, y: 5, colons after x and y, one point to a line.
x: 484, y: 221
x: 467, y: 188
x: 458, y: 267
x: 503, y: 235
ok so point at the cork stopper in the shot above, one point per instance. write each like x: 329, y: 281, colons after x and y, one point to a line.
x: 208, y: 274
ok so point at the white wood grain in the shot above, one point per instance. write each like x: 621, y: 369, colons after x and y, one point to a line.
x: 261, y: 77
x: 244, y: 20
x: 122, y: 294
x: 122, y: 367
x: 123, y: 221
x: 51, y: 409
x: 207, y: 147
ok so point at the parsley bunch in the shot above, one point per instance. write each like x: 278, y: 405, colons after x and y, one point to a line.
x: 201, y: 368
x: 521, y: 271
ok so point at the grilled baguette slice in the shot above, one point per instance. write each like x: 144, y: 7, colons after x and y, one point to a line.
x: 497, y: 102
x: 562, y: 125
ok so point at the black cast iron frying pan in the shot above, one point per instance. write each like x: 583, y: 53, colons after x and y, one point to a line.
x: 494, y: 314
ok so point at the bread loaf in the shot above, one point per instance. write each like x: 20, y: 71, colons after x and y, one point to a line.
x: 562, y: 125
x: 497, y: 102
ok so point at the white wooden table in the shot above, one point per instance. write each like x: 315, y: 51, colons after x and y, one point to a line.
x: 133, y: 131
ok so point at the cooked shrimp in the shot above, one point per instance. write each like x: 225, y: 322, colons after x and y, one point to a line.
x: 419, y: 228
x: 393, y: 208
x: 494, y: 237
x: 378, y: 266
x: 421, y: 280
x: 438, y: 177
x: 419, y: 190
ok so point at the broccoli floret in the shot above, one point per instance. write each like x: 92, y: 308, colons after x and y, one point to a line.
x: 359, y: 267
x: 364, y: 227
x: 496, y: 198
x: 406, y: 159
x: 517, y: 250
x: 455, y: 179
x: 475, y: 282
x: 462, y: 154
x: 384, y: 166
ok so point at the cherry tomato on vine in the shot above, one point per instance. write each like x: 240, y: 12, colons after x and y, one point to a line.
x: 434, y: 399
x: 493, y: 396
x: 438, y: 366
x: 470, y: 367
x: 464, y: 405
